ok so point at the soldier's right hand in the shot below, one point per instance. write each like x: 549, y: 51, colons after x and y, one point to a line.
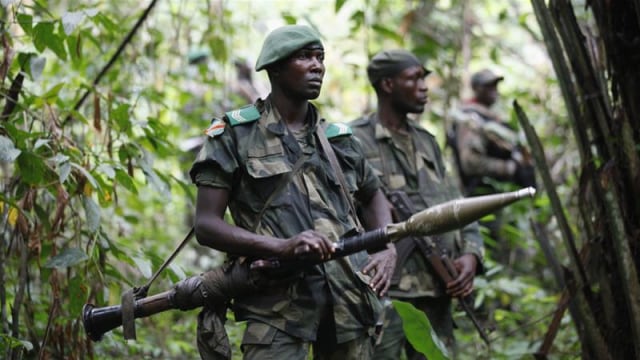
x: 307, y: 244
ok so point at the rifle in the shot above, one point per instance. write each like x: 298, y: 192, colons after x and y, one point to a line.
x: 216, y: 288
x: 439, y: 260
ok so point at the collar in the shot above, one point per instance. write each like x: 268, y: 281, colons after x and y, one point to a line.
x: 273, y: 121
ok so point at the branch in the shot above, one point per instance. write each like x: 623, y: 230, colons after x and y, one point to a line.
x: 113, y: 59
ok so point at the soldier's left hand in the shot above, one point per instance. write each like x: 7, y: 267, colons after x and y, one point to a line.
x: 381, y: 265
x: 462, y: 286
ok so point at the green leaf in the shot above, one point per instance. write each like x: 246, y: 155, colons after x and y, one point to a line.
x: 339, y: 4
x: 125, y: 180
x: 57, y: 46
x: 67, y: 258
x: 92, y: 211
x: 43, y: 35
x: 26, y: 22
x: 40, y: 142
x: 32, y: 168
x: 289, y: 19
x: 107, y: 170
x: 86, y: 173
x: 52, y: 93
x: 109, y: 25
x: 121, y: 116
x: 74, y: 46
x: 418, y: 330
x: 388, y: 33
x: 64, y: 170
x: 8, y: 151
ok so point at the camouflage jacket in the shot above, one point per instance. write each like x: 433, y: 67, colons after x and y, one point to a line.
x: 422, y: 175
x: 486, y: 147
x: 248, y: 153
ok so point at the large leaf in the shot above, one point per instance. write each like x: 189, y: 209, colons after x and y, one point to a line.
x: 418, y: 330
x: 92, y: 211
x: 67, y: 258
x: 33, y: 169
x: 26, y: 22
x: 43, y: 35
x: 71, y: 19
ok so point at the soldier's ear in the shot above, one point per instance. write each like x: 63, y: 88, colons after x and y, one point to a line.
x: 386, y: 85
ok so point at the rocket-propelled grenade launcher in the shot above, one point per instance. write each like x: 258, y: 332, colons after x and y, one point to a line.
x: 218, y: 286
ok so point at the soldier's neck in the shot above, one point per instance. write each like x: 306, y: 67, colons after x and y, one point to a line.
x: 392, y: 119
x: 292, y: 113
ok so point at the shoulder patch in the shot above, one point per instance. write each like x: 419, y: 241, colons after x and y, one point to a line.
x: 243, y: 115
x: 337, y: 129
x: 216, y: 128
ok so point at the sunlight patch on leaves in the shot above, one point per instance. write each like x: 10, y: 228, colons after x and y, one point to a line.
x: 8, y: 151
x: 71, y: 19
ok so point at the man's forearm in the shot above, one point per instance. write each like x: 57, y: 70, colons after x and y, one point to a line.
x: 377, y: 212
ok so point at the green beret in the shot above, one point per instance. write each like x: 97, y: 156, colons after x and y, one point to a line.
x: 388, y: 63
x: 485, y: 77
x: 284, y: 41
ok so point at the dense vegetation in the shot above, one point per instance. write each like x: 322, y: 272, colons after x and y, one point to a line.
x: 101, y: 102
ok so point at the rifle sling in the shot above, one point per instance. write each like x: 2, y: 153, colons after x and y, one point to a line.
x: 333, y: 161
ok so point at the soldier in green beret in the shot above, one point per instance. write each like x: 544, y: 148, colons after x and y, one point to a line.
x: 268, y: 164
x: 407, y: 158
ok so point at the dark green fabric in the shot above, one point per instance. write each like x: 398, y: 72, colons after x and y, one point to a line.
x: 391, y: 62
x: 283, y: 41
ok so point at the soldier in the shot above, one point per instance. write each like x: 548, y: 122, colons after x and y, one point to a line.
x: 407, y: 158
x: 290, y: 194
x: 488, y: 148
x: 488, y: 154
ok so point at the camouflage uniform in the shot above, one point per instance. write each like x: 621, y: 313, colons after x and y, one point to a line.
x: 248, y: 154
x: 423, y: 177
x: 486, y: 149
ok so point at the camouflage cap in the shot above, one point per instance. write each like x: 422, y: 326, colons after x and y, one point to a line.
x: 283, y: 41
x: 390, y: 62
x: 485, y: 77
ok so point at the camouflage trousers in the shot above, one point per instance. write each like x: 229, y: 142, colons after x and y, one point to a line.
x: 392, y: 339
x: 262, y: 341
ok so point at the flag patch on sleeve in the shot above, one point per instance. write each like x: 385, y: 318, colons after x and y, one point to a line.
x: 216, y: 128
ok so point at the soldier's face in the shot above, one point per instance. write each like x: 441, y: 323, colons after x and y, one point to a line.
x: 409, y: 90
x: 302, y: 73
x: 487, y: 94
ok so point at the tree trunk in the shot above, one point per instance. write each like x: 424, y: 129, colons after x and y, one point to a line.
x: 597, y: 68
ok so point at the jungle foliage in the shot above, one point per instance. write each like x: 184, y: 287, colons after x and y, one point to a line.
x: 101, y: 105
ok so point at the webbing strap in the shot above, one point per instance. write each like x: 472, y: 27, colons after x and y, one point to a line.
x: 333, y: 161
x: 130, y: 296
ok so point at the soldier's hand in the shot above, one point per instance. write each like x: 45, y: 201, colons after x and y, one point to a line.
x: 381, y: 266
x: 525, y: 175
x: 307, y: 244
x: 462, y: 286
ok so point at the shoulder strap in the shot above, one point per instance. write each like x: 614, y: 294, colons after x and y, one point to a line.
x: 243, y: 115
x: 333, y: 161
